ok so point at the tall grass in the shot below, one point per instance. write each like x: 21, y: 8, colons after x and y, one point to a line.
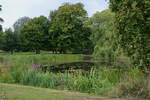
x: 106, y: 82
x: 12, y: 66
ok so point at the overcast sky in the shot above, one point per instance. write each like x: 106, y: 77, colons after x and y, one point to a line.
x: 14, y: 9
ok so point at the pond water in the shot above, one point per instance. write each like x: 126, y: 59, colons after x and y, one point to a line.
x: 84, y: 65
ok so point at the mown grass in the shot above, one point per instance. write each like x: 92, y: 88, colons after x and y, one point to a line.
x: 16, y: 92
x: 25, y: 60
x: 41, y: 57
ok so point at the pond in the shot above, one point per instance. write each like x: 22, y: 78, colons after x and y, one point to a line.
x: 83, y: 65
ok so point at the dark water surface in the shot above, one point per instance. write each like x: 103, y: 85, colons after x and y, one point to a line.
x: 85, y: 65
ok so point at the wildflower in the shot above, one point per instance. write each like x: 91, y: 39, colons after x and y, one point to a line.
x: 36, y: 67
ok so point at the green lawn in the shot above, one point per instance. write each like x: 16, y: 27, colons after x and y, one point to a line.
x: 18, y: 92
x: 39, y: 58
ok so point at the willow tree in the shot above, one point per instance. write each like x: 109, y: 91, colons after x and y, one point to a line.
x: 132, y: 28
x: 101, y: 24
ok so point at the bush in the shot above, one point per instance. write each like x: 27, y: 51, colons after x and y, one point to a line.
x: 5, y: 76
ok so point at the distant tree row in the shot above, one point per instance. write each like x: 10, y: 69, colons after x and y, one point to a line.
x: 64, y: 31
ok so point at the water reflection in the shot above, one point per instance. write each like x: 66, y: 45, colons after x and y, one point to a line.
x: 84, y: 65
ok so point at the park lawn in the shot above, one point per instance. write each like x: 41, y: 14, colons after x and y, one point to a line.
x: 18, y: 92
x: 25, y: 60
x: 25, y: 57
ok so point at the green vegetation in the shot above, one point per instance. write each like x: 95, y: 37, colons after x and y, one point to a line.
x: 24, y: 69
x: 16, y: 92
x: 67, y: 29
x: 63, y: 32
x: 102, y: 36
x: 9, y: 44
x: 35, y: 33
x: 101, y: 82
x: 132, y: 27
x: 1, y: 29
x: 111, y: 35
x: 31, y: 58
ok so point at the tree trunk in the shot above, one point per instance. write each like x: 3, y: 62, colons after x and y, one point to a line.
x: 11, y: 51
x: 37, y: 51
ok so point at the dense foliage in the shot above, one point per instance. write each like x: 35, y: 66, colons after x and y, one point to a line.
x: 102, y: 36
x: 10, y: 40
x: 1, y: 31
x: 132, y: 28
x: 20, y: 23
x: 35, y: 32
x: 67, y: 29
x: 17, y: 26
x: 63, y: 32
x: 1, y: 37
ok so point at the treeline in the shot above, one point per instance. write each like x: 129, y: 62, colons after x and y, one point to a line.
x: 125, y: 29
x: 62, y: 32
x: 67, y: 29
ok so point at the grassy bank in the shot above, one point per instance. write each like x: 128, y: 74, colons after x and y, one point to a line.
x: 41, y: 58
x: 17, y: 92
x: 112, y: 82
x: 22, y: 61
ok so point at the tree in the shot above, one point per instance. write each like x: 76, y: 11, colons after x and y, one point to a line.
x: 1, y: 20
x: 67, y: 28
x: 9, y: 41
x: 132, y: 29
x: 35, y: 33
x: 20, y: 23
x: 52, y: 15
x: 101, y: 24
x: 1, y: 31
x: 17, y: 27
x: 1, y: 38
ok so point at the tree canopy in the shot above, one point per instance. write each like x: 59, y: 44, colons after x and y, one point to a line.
x: 20, y: 23
x: 101, y: 24
x: 9, y: 40
x: 1, y: 31
x: 132, y: 28
x: 34, y: 33
x: 64, y: 31
x: 67, y: 29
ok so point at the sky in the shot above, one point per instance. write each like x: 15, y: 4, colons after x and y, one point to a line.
x: 14, y: 9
